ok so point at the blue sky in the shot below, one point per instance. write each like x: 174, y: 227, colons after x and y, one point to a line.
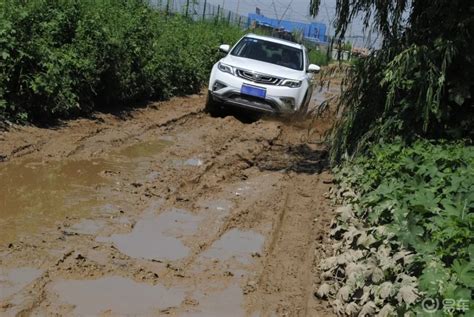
x: 294, y: 10
x: 297, y: 11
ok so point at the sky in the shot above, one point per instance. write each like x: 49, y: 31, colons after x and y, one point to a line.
x: 294, y: 10
x: 297, y: 11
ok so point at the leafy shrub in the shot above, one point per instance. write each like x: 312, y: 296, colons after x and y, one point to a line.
x: 318, y: 57
x: 408, y: 219
x: 67, y: 57
x: 419, y: 83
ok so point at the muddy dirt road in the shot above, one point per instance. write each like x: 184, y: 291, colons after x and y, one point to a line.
x: 163, y: 211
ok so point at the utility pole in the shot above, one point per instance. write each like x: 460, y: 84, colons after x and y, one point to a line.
x: 238, y: 7
x: 168, y: 7
x: 187, y: 8
x: 204, y: 10
x: 222, y: 10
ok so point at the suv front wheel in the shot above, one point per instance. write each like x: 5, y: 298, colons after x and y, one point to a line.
x: 303, y: 111
x: 212, y: 107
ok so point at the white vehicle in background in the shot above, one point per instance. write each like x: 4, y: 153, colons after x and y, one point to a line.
x: 262, y: 74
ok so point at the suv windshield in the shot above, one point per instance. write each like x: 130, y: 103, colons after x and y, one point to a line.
x: 270, y: 52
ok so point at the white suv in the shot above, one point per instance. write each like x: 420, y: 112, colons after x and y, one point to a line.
x: 263, y: 74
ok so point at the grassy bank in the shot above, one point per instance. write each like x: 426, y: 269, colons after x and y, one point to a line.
x: 403, y: 238
x: 63, y: 58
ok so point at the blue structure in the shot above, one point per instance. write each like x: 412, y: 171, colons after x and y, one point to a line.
x: 315, y: 32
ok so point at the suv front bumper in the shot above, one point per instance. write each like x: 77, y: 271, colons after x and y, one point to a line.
x: 225, y: 89
x: 268, y: 105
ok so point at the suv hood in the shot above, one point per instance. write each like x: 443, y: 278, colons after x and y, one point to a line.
x: 262, y: 67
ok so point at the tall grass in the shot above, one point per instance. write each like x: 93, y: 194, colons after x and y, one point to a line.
x: 67, y: 57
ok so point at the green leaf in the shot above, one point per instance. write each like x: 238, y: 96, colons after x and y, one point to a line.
x: 471, y: 252
x: 465, y: 272
x: 433, y: 277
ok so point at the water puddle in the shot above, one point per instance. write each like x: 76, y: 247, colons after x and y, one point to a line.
x: 195, y: 162
x: 236, y: 244
x: 14, y: 280
x: 243, y: 190
x: 152, y: 176
x: 35, y: 195
x: 144, y: 149
x: 157, y: 237
x: 227, y: 302
x: 86, y: 226
x: 222, y: 206
x: 116, y: 296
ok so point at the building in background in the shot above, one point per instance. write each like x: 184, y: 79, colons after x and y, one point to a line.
x: 315, y: 32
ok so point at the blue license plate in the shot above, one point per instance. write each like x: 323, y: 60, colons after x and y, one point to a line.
x: 253, y: 91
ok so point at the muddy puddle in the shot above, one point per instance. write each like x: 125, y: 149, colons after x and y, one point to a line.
x: 14, y: 280
x: 86, y: 226
x: 227, y: 302
x: 221, y: 206
x: 144, y: 149
x: 116, y: 296
x: 34, y: 195
x: 157, y: 237
x: 194, y: 162
x: 236, y: 245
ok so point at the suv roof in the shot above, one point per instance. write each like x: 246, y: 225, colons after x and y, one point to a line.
x: 275, y: 40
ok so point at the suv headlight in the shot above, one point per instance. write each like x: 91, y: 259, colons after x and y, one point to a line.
x: 225, y: 68
x: 291, y: 83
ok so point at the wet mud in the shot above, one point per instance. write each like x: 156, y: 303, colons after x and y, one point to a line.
x: 169, y: 212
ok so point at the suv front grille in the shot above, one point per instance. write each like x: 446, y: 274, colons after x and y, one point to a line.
x: 258, y: 78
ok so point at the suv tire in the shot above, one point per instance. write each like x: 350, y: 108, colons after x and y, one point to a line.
x: 212, y: 107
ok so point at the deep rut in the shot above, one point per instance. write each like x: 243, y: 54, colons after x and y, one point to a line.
x: 200, y: 216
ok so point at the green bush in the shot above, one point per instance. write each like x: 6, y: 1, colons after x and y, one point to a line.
x: 67, y: 57
x: 318, y: 57
x: 423, y: 194
x: 419, y: 83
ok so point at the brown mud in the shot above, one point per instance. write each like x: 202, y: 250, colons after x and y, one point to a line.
x: 163, y: 211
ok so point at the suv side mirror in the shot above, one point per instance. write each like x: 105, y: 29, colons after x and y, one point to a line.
x: 224, y: 48
x: 313, y: 68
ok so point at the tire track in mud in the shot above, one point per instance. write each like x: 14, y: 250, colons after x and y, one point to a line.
x: 273, y: 207
x: 104, y: 127
x: 196, y: 181
x: 285, y: 283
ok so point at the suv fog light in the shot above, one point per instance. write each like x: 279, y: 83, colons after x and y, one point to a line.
x: 289, y: 102
x: 218, y: 86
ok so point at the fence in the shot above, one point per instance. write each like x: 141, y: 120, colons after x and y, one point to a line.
x: 201, y: 10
